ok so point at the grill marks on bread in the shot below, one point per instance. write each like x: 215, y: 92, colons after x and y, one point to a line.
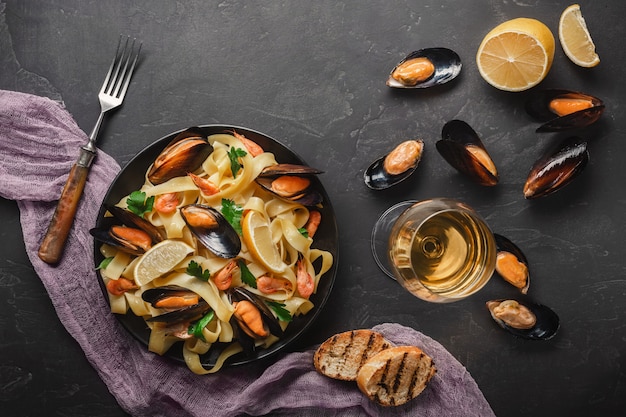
x: 342, y: 355
x: 396, y: 375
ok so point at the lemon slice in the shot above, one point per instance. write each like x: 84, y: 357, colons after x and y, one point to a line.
x: 575, y: 38
x: 516, y: 55
x: 257, y: 236
x: 160, y: 259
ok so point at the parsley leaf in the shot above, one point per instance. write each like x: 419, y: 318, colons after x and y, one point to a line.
x: 303, y: 232
x: 138, y: 204
x: 281, y: 312
x: 105, y: 262
x: 195, y: 329
x: 246, y: 275
x: 195, y: 270
x: 234, y: 154
x: 232, y: 213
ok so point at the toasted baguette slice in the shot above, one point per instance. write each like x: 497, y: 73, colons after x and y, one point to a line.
x: 396, y: 375
x: 342, y: 355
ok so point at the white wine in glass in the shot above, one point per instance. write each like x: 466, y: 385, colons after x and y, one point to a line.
x: 441, y: 250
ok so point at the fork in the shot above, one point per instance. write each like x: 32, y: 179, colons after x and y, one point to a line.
x: 111, y: 95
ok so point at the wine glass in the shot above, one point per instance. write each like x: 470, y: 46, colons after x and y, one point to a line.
x: 440, y: 250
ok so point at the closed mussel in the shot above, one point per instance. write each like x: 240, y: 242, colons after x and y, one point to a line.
x: 212, y: 230
x: 291, y: 182
x: 511, y: 264
x: 462, y: 148
x: 524, y: 319
x: 557, y: 167
x: 185, y: 153
x: 394, y: 167
x: 560, y: 109
x: 425, y: 68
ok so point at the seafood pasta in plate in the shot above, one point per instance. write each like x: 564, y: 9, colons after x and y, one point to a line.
x: 216, y: 246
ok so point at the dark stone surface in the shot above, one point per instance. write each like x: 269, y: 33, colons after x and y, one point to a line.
x: 311, y: 74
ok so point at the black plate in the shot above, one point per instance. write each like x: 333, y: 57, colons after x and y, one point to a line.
x: 131, y: 178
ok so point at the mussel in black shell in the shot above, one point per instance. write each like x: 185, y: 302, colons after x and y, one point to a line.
x: 212, y: 230
x: 564, y: 109
x: 394, y: 167
x: 462, y: 148
x: 134, y: 235
x: 524, y: 319
x: 511, y: 264
x: 425, y: 68
x: 557, y: 167
x: 291, y: 182
x: 185, y: 153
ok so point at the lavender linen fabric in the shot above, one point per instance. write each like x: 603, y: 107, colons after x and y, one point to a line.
x: 39, y: 142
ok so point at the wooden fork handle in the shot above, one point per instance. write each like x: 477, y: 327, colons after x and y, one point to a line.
x: 53, y: 243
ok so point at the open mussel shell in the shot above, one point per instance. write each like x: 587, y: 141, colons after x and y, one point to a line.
x: 462, y: 148
x: 557, y: 167
x: 394, y: 167
x: 240, y: 294
x: 511, y: 264
x: 185, y: 153
x: 212, y: 230
x: 444, y: 66
x: 561, y: 109
x: 546, y: 320
x: 131, y: 241
x: 291, y: 182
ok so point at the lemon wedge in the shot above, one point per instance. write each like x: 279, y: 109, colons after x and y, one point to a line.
x: 257, y: 236
x: 575, y: 38
x: 160, y: 259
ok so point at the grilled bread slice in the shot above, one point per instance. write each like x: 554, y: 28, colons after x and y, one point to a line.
x: 396, y: 375
x: 342, y: 355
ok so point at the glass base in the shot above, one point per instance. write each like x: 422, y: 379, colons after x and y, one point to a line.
x: 380, y: 235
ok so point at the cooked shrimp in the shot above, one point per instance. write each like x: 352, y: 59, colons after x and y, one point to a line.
x: 304, y: 280
x: 252, y: 147
x: 205, y: 186
x: 269, y: 285
x: 166, y: 203
x: 315, y: 218
x: 120, y: 286
x: 224, y: 277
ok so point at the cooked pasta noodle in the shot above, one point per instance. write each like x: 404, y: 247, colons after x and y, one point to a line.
x: 285, y: 219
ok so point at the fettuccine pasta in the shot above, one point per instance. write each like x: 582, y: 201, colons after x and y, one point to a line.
x: 199, y: 277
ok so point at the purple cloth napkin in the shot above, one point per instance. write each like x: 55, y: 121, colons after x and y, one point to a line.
x: 39, y: 142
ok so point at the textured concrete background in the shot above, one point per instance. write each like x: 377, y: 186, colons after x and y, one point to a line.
x: 312, y: 75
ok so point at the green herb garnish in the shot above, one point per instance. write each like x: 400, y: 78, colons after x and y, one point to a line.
x: 246, y: 276
x: 105, y: 262
x: 138, y: 204
x: 232, y: 213
x: 234, y: 154
x: 195, y: 329
x: 195, y: 270
x: 303, y: 232
x: 281, y: 312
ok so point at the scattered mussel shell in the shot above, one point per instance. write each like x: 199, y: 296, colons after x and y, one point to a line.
x: 185, y: 153
x: 135, y: 235
x: 561, y: 109
x: 511, y: 264
x: 291, y: 182
x: 212, y: 230
x: 557, y: 167
x: 462, y: 148
x: 524, y: 319
x: 425, y: 68
x: 256, y: 309
x: 394, y: 167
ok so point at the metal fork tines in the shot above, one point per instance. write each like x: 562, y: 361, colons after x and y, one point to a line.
x: 116, y: 82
